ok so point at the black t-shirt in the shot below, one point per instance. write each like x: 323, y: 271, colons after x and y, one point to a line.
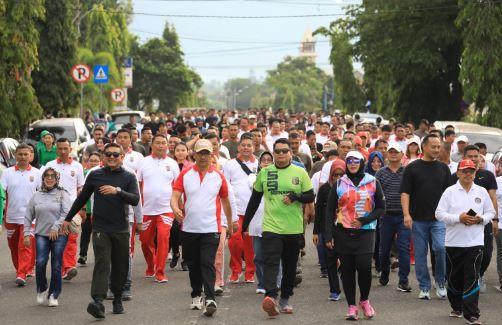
x: 483, y: 178
x: 425, y: 182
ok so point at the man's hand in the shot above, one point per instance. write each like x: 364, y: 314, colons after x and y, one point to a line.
x: 315, y: 239
x: 108, y: 190
x: 286, y: 200
x: 65, y: 228
x: 408, y: 222
x: 139, y: 228
x: 83, y: 215
x: 465, y: 219
x: 178, y: 214
x: 27, y: 241
x: 53, y: 235
x: 495, y: 225
x: 235, y: 226
x: 330, y: 244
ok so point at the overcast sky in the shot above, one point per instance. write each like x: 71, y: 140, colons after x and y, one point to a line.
x: 220, y: 49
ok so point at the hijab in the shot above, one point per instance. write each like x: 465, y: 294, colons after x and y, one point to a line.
x: 369, y: 168
x: 56, y: 184
x: 358, y: 176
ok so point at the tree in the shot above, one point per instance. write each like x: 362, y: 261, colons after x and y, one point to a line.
x: 18, y: 57
x: 240, y: 92
x: 481, y: 70
x: 411, y: 55
x: 54, y: 86
x: 297, y: 84
x: 160, y: 73
x: 349, y: 94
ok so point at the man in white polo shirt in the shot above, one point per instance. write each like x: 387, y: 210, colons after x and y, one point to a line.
x: 465, y: 208
x: 206, y: 192
x: 241, y: 173
x: 72, y: 180
x: 156, y: 174
x: 20, y: 182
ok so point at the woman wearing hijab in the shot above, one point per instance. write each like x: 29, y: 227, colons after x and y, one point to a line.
x: 48, y: 208
x: 336, y: 172
x: 359, y: 200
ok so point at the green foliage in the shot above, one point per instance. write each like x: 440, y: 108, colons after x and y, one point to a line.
x: 349, y: 94
x: 161, y: 74
x: 297, y: 85
x: 240, y: 91
x: 482, y: 57
x: 18, y: 55
x: 54, y: 86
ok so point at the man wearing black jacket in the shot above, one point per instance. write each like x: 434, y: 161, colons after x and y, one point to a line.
x: 114, y: 190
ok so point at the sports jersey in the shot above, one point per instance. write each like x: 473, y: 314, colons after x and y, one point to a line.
x: 71, y: 175
x: 240, y: 181
x: 274, y: 183
x: 132, y: 159
x: 156, y: 176
x: 19, y: 186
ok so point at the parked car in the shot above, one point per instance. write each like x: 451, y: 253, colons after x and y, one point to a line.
x: 121, y: 118
x: 7, y: 153
x: 71, y: 128
x: 368, y: 118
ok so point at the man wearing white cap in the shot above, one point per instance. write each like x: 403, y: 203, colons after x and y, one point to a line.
x: 205, y: 191
x: 462, y: 142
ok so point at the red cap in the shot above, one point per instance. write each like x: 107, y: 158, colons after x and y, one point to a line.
x: 466, y: 164
x: 362, y: 134
x: 358, y: 140
x: 338, y: 164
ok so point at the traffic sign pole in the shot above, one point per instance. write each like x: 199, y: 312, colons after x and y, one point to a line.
x: 81, y: 100
x: 81, y: 73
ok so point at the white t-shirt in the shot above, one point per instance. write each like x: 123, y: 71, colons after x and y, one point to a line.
x: 19, y: 187
x: 240, y: 181
x: 71, y: 175
x: 132, y: 159
x: 319, y: 138
x: 156, y: 177
x: 499, y: 198
x: 315, y: 182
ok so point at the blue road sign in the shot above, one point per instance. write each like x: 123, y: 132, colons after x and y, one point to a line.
x: 100, y: 73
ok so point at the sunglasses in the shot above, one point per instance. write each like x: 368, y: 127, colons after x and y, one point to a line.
x: 354, y: 161
x: 338, y: 174
x: 50, y: 176
x: 279, y: 151
x: 110, y: 154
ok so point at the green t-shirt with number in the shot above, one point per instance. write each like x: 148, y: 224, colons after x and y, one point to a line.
x: 274, y: 183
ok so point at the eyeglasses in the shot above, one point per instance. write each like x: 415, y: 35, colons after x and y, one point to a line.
x: 468, y: 171
x: 50, y: 176
x: 354, y: 161
x: 110, y: 154
x: 279, y: 151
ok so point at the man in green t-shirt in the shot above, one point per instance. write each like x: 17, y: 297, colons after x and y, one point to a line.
x: 285, y: 187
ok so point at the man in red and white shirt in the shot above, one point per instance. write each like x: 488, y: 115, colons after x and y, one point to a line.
x: 241, y: 172
x: 72, y: 180
x: 156, y: 174
x: 205, y: 191
x: 20, y: 182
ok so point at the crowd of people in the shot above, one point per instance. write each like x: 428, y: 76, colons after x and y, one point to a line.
x: 379, y: 195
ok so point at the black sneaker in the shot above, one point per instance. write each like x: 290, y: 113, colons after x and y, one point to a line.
x: 184, y: 265
x: 96, y: 309
x: 404, y: 287
x: 384, y: 279
x: 324, y: 274
x: 118, y: 308
x: 174, y: 261
x: 82, y: 260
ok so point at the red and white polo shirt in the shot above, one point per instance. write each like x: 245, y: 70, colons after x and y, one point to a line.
x: 19, y: 185
x: 133, y: 159
x: 202, y: 199
x: 156, y: 176
x: 240, y: 181
x: 71, y: 175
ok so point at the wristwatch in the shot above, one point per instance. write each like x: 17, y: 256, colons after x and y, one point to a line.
x: 118, y: 189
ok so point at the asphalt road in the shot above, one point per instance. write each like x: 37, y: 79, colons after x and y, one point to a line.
x: 168, y: 303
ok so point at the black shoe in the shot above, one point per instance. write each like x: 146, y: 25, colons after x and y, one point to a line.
x: 298, y: 280
x: 384, y: 279
x: 126, y: 295
x: 174, y: 261
x: 96, y: 309
x: 118, y: 308
x: 82, y: 260
x: 324, y: 275
x: 184, y: 265
x: 404, y: 287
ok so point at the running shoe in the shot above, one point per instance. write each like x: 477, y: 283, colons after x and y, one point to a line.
x: 42, y: 297
x: 20, y: 281
x: 482, y: 285
x: 96, y: 309
x: 384, y: 279
x: 174, y: 261
x: 184, y: 265
x: 394, y: 263
x: 30, y: 274
x: 82, y: 260
x: 70, y: 274
x: 323, y: 275
x: 269, y: 305
x: 210, y: 308
x: 234, y: 278
x: 352, y: 313
x: 404, y: 287
x: 161, y: 279
x: 456, y: 314
x: 334, y: 296
x: 218, y: 290
x: 285, y: 307
x: 249, y: 279
x: 118, y: 308
x: 441, y: 291
x: 149, y: 274
x: 260, y: 291
x: 368, y: 310
x: 424, y: 294
x: 126, y: 295
x: 474, y: 321
x: 197, y: 303
x: 53, y: 302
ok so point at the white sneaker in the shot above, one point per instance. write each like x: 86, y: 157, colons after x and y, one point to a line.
x: 424, y: 294
x: 260, y: 291
x: 53, y: 302
x: 197, y: 303
x: 482, y: 285
x: 42, y: 298
x: 441, y: 291
x: 210, y: 308
x: 218, y: 290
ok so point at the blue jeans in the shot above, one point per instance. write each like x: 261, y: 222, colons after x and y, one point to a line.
x: 422, y: 231
x: 321, y: 254
x: 258, y: 262
x: 390, y: 226
x: 56, y: 249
